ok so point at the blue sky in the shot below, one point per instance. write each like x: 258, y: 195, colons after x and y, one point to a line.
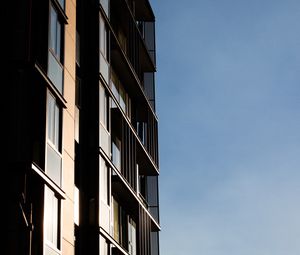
x: 228, y: 101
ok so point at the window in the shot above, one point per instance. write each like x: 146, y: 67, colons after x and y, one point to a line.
x: 55, y: 34
x: 116, y: 152
x: 103, y: 49
x: 103, y: 37
x: 76, y: 205
x: 103, y: 101
x: 55, y: 56
x: 104, y: 194
x: 122, y: 98
x: 120, y: 224
x: 103, y: 246
x: 131, y: 237
x: 105, y: 6
x: 104, y: 181
x: 143, y: 187
x: 53, y: 151
x: 116, y: 220
x: 120, y: 94
x: 104, y: 120
x: 52, y: 215
x: 142, y: 131
x: 62, y: 3
x: 77, y: 108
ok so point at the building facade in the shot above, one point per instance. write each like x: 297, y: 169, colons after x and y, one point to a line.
x: 81, y: 138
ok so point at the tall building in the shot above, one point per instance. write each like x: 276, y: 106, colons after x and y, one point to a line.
x: 80, y: 166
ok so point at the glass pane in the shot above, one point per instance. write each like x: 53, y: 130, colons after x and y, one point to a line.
x: 76, y: 125
x: 51, y: 218
x: 53, y: 20
x: 122, y: 98
x: 132, y: 237
x: 50, y: 251
x: 116, y: 221
x: 50, y: 117
x: 76, y: 206
x: 103, y: 37
x: 103, y: 181
x: 55, y: 72
x: 53, y: 165
x: 104, y: 68
x: 116, y: 156
x: 58, y: 41
x: 56, y: 126
x: 53, y: 120
x: 105, y: 140
x: 62, y: 3
x: 103, y: 246
x: 114, y: 86
x: 105, y: 6
x: 103, y: 106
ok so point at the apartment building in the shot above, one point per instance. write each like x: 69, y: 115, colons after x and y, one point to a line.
x: 80, y: 134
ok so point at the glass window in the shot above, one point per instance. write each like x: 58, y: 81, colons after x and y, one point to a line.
x: 122, y: 98
x: 53, y: 150
x: 103, y: 246
x: 120, y: 94
x: 103, y: 101
x: 103, y: 37
x: 114, y: 85
x: 105, y: 6
x: 55, y: 54
x: 62, y: 3
x: 116, y: 153
x: 55, y: 37
x: 104, y: 182
x: 131, y: 237
x: 53, y: 118
x: 51, y: 222
x: 76, y: 205
x: 116, y: 220
x: 103, y: 48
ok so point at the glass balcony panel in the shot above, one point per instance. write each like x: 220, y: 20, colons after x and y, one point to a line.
x: 105, y: 6
x: 50, y: 251
x: 116, y: 156
x: 54, y: 163
x: 104, y: 68
x: 154, y: 243
x: 62, y: 4
x: 123, y: 99
x: 104, y: 140
x: 55, y: 72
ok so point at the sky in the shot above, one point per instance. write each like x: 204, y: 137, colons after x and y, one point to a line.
x: 228, y: 103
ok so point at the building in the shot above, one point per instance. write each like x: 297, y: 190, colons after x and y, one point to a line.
x: 80, y: 133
